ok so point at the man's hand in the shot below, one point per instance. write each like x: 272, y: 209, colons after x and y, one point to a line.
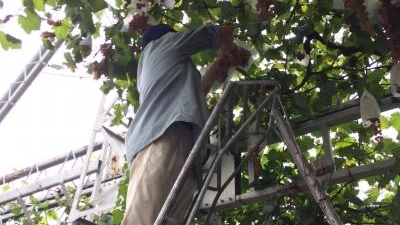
x: 219, y: 69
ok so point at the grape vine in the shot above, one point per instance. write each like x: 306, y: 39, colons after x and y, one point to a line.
x: 138, y: 24
x: 357, y: 7
x: 390, y: 18
x: 376, y: 128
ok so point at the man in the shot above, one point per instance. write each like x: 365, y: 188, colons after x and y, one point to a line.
x: 171, y: 115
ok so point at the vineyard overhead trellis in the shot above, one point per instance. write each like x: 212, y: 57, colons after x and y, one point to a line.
x: 327, y: 56
x: 88, y: 174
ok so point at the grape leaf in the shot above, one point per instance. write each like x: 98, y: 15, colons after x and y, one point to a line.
x: 38, y: 5
x: 62, y: 31
x: 30, y: 22
x: 97, y: 5
x: 9, y: 42
x: 52, y: 214
x: 52, y: 2
x: 395, y: 120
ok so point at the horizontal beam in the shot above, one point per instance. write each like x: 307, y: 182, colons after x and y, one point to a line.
x: 47, y: 183
x: 343, y: 113
x: 47, y: 164
x: 340, y: 176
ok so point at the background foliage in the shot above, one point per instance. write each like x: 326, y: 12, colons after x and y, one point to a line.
x: 321, y: 56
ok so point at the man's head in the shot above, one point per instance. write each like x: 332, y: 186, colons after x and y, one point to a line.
x: 155, y: 32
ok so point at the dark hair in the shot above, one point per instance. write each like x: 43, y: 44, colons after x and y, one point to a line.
x: 155, y: 32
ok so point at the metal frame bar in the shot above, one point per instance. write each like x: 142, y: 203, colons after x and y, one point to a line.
x: 45, y: 184
x: 26, y: 78
x: 47, y: 164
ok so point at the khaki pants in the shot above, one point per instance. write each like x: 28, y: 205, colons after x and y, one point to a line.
x: 153, y: 173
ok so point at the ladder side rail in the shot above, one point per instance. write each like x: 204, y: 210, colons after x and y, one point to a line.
x: 101, y: 116
x: 23, y: 86
x: 227, y: 146
x: 306, y: 170
x: 242, y: 159
x: 200, y: 142
x: 99, y: 176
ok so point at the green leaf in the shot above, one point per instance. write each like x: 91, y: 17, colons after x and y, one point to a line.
x: 38, y: 5
x: 52, y: 214
x: 16, y: 211
x: 30, y: 22
x: 97, y: 5
x: 52, y: 2
x: 373, y: 194
x: 62, y: 31
x: 33, y: 200
x: 395, y: 120
x: 70, y: 61
x: 227, y: 10
x: 9, y: 42
x: 6, y: 187
x: 385, y: 123
x: 306, y: 143
x: 43, y: 205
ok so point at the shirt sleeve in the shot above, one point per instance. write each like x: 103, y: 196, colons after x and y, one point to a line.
x: 202, y: 38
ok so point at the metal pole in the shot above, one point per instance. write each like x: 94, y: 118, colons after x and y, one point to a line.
x: 24, y: 82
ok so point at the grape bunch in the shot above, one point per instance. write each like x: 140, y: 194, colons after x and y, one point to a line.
x: 239, y: 56
x: 390, y: 17
x: 106, y: 50
x: 264, y: 12
x: 54, y: 23
x: 86, y: 50
x: 357, y: 7
x: 99, y: 68
x: 47, y: 34
x: 138, y: 24
x: 376, y: 127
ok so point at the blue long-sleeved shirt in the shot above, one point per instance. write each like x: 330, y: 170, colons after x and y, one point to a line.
x: 169, y: 86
